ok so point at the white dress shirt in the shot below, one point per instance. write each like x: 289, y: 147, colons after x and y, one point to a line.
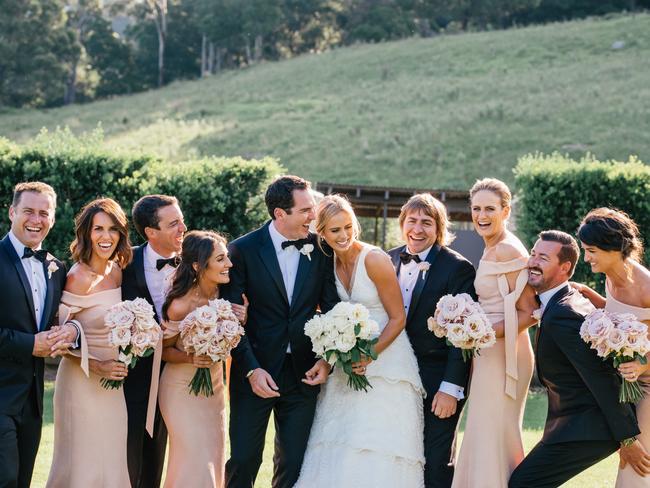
x: 545, y: 296
x: 35, y: 275
x: 288, y: 259
x: 158, y: 282
x: 408, y: 278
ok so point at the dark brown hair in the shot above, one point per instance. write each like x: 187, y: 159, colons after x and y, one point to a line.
x: 198, y: 247
x: 610, y: 229
x: 279, y: 194
x: 32, y: 186
x: 82, y: 248
x: 569, y: 252
x: 145, y: 211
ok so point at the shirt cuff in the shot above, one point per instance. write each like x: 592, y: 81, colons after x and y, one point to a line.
x: 454, y: 390
x: 76, y: 325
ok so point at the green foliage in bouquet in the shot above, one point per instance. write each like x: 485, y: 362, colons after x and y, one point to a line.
x: 556, y: 192
x: 215, y: 193
x: 344, y: 360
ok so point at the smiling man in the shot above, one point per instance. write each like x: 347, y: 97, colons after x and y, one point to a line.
x: 427, y: 270
x: 31, y: 283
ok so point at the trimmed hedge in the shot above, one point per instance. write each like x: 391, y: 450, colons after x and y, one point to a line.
x: 555, y: 192
x: 223, y: 194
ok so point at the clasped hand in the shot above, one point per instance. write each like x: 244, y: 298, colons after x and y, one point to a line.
x: 54, y: 342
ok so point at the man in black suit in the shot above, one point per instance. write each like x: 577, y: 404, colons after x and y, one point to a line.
x: 159, y: 220
x: 32, y: 281
x: 585, y: 421
x: 427, y: 270
x: 286, y: 278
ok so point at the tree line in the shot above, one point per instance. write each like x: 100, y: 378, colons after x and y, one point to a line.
x: 56, y: 52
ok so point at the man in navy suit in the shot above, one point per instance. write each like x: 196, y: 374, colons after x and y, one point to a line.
x: 427, y: 270
x: 286, y: 278
x: 31, y: 283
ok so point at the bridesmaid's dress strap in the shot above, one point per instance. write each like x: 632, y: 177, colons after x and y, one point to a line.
x: 65, y: 312
x: 153, y: 389
x: 511, y: 327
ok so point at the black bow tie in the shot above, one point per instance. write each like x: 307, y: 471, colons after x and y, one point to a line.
x: 407, y: 257
x: 298, y: 243
x: 30, y: 253
x: 173, y: 262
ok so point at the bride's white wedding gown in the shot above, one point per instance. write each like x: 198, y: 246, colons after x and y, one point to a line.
x: 369, y: 439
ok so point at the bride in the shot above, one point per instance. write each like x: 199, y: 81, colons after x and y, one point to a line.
x: 375, y: 438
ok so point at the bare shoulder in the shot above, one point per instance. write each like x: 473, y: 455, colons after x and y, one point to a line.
x: 378, y: 264
x: 510, y: 248
x: 79, y: 280
x: 642, y: 280
x: 179, y: 308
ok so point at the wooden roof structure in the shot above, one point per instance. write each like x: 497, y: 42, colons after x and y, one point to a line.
x: 386, y: 202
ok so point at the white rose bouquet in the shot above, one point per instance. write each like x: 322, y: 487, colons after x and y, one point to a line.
x: 620, y: 337
x: 211, y: 330
x: 463, y: 323
x: 134, y: 330
x: 342, y: 336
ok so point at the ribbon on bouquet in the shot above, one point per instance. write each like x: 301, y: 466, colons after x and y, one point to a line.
x: 153, y: 390
x: 511, y: 322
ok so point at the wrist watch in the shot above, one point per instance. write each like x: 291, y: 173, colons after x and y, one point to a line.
x: 628, y: 442
x: 250, y: 373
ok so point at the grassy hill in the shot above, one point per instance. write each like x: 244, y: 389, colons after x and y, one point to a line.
x: 434, y: 112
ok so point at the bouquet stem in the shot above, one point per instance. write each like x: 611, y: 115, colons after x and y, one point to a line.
x: 111, y: 384
x: 202, y: 383
x: 630, y: 392
x: 358, y: 382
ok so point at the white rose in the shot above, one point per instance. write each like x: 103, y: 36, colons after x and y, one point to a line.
x: 457, y: 335
x: 120, y: 337
x: 475, y: 326
x: 206, y: 316
x: 140, y: 342
x: 369, y: 330
x: 616, y: 339
x: 345, y: 342
x: 142, y: 309
x: 314, y: 327
x: 119, y: 317
x: 360, y: 313
x: 453, y: 306
x: 342, y: 309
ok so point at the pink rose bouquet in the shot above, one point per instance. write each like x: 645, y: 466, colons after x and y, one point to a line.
x: 211, y: 330
x: 620, y: 337
x: 134, y: 331
x: 463, y: 323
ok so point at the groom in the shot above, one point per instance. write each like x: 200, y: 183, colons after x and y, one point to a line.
x: 585, y: 421
x: 427, y: 270
x: 159, y: 220
x: 287, y: 278
x: 31, y: 283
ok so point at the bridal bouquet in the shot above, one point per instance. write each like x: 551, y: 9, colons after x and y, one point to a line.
x: 342, y: 336
x: 621, y: 337
x: 463, y: 323
x: 134, y: 330
x: 212, y: 330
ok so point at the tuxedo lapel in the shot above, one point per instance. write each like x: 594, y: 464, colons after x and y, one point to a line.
x: 49, y: 294
x: 397, y: 264
x: 138, y: 267
x: 16, y: 261
x: 270, y: 260
x: 422, y: 281
x: 304, y: 266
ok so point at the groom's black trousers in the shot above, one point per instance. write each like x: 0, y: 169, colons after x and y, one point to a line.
x: 551, y: 465
x: 19, y: 439
x: 293, y: 413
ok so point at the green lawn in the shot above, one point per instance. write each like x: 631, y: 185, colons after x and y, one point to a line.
x: 601, y: 475
x: 435, y: 112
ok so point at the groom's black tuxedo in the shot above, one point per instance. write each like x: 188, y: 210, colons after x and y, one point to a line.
x: 21, y: 374
x: 449, y: 273
x: 585, y: 420
x: 145, y: 455
x: 273, y: 324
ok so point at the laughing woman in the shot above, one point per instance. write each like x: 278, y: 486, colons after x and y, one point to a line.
x: 611, y: 242
x: 196, y: 424
x: 492, y: 446
x: 90, y: 422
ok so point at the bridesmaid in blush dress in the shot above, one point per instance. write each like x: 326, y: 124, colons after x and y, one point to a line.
x: 196, y: 424
x: 610, y: 239
x: 90, y: 422
x: 492, y: 445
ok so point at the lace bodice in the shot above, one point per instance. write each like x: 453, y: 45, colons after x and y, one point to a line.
x: 363, y: 290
